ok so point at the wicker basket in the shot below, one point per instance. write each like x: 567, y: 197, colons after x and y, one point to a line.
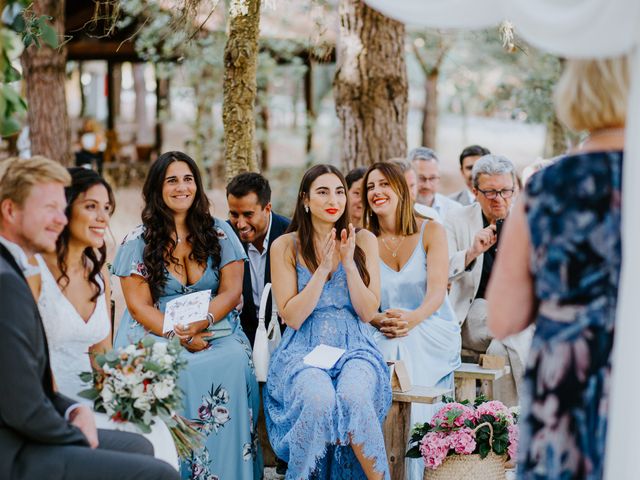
x: 470, y: 467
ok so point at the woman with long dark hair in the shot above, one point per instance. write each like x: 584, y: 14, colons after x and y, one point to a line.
x: 73, y: 295
x: 327, y: 421
x: 180, y: 249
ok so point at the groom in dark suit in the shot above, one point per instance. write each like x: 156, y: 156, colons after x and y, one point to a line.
x: 44, y: 435
x: 250, y: 214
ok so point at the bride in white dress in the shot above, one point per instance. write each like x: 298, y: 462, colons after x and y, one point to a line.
x: 74, y: 299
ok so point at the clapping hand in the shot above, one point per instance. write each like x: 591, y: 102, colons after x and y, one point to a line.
x: 327, y: 261
x: 347, y: 246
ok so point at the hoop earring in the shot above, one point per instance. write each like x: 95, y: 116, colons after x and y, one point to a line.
x: 306, y: 208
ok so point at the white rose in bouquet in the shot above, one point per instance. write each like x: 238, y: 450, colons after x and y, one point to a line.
x: 159, y: 349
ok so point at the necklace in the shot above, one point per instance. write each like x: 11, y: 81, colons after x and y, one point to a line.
x: 394, y: 252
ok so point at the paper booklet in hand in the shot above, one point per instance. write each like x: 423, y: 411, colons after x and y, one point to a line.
x: 186, y: 309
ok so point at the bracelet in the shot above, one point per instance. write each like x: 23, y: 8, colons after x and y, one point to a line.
x: 169, y: 335
x: 211, y: 319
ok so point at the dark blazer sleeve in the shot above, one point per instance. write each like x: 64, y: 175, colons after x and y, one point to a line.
x: 25, y: 405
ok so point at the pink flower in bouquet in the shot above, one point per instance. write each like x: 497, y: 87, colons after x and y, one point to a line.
x: 442, y: 416
x: 496, y: 409
x: 462, y: 441
x: 514, y: 437
x: 434, y: 448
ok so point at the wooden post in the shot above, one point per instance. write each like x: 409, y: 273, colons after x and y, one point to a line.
x: 465, y: 389
x: 396, y: 433
x: 111, y: 109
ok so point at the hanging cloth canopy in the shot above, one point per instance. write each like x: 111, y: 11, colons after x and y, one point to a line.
x: 576, y: 29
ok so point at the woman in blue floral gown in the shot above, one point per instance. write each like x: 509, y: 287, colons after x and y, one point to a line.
x: 178, y: 250
x: 559, y: 265
x: 327, y: 423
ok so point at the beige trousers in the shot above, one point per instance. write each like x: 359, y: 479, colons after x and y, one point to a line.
x: 476, y: 337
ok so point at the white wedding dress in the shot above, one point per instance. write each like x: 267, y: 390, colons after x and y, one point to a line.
x: 69, y: 338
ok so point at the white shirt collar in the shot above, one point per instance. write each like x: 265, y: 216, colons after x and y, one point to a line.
x: 265, y: 242
x: 20, y: 257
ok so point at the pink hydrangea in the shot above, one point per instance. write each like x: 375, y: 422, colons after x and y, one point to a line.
x: 496, y: 409
x: 434, y: 448
x: 514, y: 437
x: 463, y: 413
x: 462, y: 441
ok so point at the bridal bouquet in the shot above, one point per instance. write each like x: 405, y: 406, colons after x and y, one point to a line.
x: 464, y: 429
x: 139, y: 382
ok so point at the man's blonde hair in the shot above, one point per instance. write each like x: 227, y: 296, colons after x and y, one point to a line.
x: 19, y: 175
x: 592, y: 94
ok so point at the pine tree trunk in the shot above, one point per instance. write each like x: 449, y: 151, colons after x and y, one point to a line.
x: 44, y: 75
x: 430, y: 110
x: 239, y: 90
x: 556, y: 139
x: 370, y: 86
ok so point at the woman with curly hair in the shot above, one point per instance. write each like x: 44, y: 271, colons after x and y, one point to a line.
x: 180, y: 249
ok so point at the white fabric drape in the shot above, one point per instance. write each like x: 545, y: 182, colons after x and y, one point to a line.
x: 576, y: 29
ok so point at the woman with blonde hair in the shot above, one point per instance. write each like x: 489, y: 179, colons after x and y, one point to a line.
x: 559, y: 266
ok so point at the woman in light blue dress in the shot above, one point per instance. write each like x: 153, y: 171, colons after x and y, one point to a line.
x: 417, y: 324
x: 327, y: 422
x: 181, y: 249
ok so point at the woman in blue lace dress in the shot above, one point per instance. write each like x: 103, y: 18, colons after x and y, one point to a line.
x: 181, y: 249
x: 417, y: 323
x: 327, y: 423
x: 559, y: 266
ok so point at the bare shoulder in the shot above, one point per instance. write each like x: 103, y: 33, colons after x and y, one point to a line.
x: 365, y: 237
x: 433, y: 231
x: 283, y: 247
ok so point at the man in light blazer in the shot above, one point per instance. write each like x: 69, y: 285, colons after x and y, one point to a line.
x: 43, y: 434
x: 472, y: 241
x: 468, y: 158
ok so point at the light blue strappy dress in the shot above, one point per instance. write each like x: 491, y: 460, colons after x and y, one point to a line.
x: 309, y: 410
x: 431, y: 351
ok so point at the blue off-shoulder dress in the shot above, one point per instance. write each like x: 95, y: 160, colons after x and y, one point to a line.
x: 221, y: 391
x: 313, y: 414
x: 574, y: 212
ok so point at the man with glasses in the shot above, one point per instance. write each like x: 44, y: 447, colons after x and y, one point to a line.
x: 427, y: 166
x: 472, y: 237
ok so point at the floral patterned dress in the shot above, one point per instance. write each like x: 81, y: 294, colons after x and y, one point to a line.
x: 573, y: 211
x: 221, y: 391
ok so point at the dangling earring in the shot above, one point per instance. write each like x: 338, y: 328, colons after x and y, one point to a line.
x: 306, y: 208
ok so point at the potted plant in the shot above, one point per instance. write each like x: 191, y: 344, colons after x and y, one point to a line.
x: 466, y: 442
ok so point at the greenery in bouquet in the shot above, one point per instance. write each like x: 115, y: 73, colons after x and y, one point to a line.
x: 139, y: 382
x: 465, y: 429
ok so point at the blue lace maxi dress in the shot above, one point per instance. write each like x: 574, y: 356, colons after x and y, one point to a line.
x: 309, y: 410
x: 431, y: 351
x: 221, y: 391
x: 573, y: 212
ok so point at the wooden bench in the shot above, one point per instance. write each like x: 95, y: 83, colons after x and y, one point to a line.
x: 397, y: 426
x: 469, y: 374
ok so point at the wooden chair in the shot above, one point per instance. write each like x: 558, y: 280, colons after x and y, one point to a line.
x: 467, y: 377
x: 397, y: 425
